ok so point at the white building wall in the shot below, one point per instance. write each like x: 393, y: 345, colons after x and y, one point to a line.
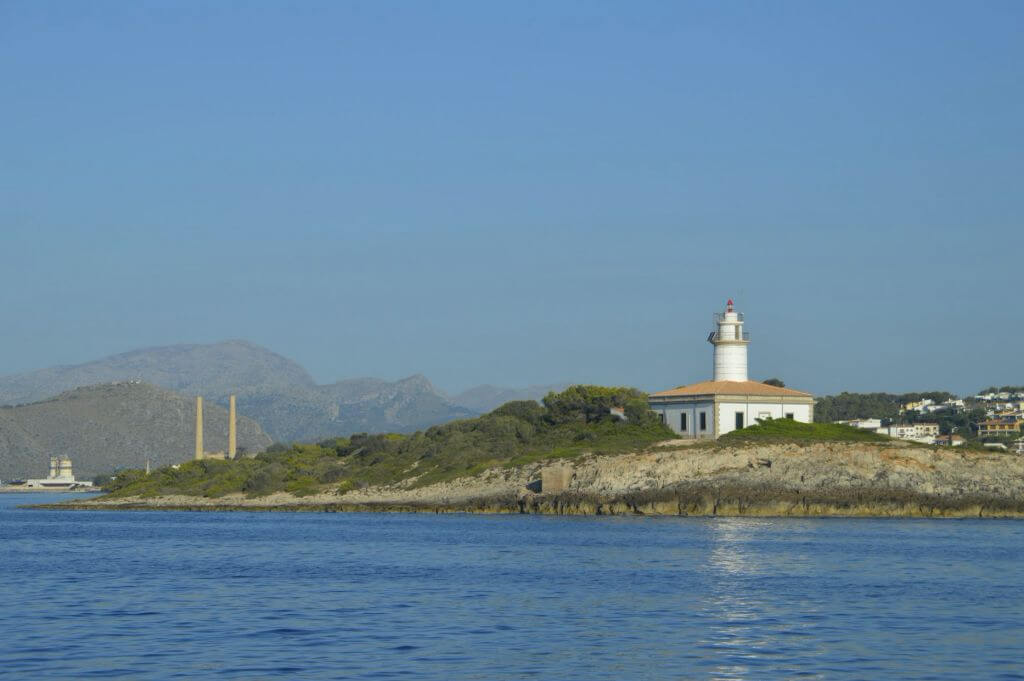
x: 754, y: 410
x: 672, y: 414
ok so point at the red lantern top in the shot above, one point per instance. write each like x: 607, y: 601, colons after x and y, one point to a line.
x: 728, y: 306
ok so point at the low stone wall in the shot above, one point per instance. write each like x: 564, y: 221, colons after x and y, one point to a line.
x: 555, y: 479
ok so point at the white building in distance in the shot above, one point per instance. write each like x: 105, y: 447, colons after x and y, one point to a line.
x: 730, y: 401
x: 60, y: 478
x: 925, y: 433
x: 863, y: 424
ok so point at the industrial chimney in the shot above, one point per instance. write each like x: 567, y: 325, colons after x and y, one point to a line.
x: 231, y: 428
x: 199, y: 428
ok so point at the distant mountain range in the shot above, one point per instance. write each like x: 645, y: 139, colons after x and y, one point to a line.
x: 274, y: 391
x: 485, y: 398
x: 214, y: 370
x: 111, y: 426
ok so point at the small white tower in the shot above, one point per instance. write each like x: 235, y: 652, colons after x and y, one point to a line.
x: 730, y: 343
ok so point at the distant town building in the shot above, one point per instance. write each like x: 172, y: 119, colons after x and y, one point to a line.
x: 999, y: 427
x: 953, y: 440
x: 866, y: 424
x: 1002, y: 395
x: 730, y: 401
x: 928, y: 406
x: 924, y: 433
x: 917, y: 406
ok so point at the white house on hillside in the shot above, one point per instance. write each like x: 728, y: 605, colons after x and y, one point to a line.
x: 924, y: 433
x: 730, y: 401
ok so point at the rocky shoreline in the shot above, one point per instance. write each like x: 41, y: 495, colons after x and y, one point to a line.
x: 821, y: 479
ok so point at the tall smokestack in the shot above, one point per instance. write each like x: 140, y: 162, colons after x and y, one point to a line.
x: 231, y: 428
x: 199, y: 428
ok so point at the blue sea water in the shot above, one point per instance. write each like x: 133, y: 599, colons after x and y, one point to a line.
x: 169, y: 595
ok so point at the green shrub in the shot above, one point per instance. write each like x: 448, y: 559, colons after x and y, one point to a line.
x: 789, y: 430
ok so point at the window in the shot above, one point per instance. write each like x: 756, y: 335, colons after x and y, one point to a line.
x: 703, y: 420
x: 739, y: 420
x: 682, y: 422
x: 789, y: 415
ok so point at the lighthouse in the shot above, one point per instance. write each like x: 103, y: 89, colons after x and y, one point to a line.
x: 730, y: 343
x: 730, y: 401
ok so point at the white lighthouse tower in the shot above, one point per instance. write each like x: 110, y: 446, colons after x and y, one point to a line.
x: 730, y: 343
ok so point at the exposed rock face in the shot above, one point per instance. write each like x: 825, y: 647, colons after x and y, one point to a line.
x: 775, y: 480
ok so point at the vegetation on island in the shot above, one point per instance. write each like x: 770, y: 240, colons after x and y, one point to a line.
x: 788, y: 430
x: 575, y: 421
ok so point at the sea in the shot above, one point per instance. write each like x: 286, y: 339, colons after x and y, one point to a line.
x: 251, y: 595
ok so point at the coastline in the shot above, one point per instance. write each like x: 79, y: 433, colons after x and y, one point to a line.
x: 707, y: 502
x: 775, y: 480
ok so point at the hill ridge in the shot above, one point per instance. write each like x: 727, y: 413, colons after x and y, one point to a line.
x: 281, y: 395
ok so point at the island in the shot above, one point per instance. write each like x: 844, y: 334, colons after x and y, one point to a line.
x: 593, y: 450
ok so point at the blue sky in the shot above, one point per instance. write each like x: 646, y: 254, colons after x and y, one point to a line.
x: 517, y: 193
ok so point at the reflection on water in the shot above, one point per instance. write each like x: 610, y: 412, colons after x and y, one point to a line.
x: 323, y: 596
x: 731, y: 635
x: 731, y: 540
x: 750, y: 635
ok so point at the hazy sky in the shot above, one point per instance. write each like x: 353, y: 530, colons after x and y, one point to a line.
x: 519, y: 192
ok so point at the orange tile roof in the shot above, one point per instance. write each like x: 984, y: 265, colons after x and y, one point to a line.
x: 730, y: 388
